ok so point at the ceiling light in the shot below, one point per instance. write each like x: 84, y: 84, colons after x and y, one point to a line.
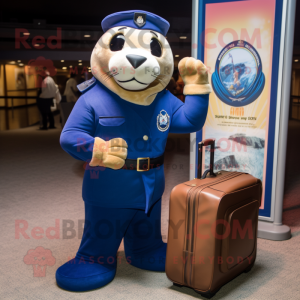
x: 36, y: 45
x: 86, y: 35
x: 79, y: 64
x: 12, y: 62
x: 21, y: 65
x: 182, y: 37
x: 70, y: 66
x: 26, y: 33
x: 80, y: 60
x: 62, y: 60
x: 296, y: 60
x: 176, y: 55
x: 64, y: 68
x: 19, y: 61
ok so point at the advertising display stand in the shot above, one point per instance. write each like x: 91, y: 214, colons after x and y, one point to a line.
x: 247, y: 47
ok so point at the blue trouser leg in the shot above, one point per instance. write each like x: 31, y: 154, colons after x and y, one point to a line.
x: 95, y: 262
x: 143, y: 243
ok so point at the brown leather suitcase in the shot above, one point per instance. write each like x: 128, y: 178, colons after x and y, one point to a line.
x: 212, y: 228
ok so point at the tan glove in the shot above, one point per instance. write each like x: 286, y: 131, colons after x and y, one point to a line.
x: 110, y: 154
x: 195, y: 76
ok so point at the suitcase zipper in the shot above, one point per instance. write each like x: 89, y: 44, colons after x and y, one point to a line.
x: 191, y: 215
x: 191, y: 205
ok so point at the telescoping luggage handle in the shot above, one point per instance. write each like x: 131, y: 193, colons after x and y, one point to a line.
x: 211, y: 143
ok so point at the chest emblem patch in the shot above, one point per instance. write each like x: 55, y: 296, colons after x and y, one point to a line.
x: 163, y: 121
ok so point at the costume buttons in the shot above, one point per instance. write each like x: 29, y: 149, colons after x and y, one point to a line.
x: 145, y: 137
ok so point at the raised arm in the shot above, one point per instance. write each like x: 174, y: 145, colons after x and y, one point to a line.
x: 190, y: 116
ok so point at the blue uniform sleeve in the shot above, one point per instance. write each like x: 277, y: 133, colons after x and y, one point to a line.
x: 77, y: 137
x: 189, y: 116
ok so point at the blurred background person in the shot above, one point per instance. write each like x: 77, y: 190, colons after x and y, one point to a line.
x: 56, y: 100
x: 57, y: 95
x: 71, y: 90
x: 45, y: 101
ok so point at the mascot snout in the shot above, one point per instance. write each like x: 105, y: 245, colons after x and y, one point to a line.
x: 134, y: 69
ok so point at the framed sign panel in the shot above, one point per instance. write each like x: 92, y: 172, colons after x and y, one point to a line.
x: 242, y: 45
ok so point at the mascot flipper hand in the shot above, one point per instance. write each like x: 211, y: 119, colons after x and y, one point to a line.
x: 119, y: 126
x: 111, y: 154
x: 195, y: 76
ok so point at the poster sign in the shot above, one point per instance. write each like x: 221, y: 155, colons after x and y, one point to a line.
x: 238, y: 50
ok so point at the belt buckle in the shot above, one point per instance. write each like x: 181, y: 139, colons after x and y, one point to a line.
x: 138, y: 164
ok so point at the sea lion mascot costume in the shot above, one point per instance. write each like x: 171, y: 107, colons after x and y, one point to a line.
x: 119, y: 126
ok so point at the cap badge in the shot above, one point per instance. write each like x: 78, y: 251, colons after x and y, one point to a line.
x: 139, y: 19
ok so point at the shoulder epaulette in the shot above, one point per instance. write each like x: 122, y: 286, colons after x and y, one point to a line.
x: 86, y: 85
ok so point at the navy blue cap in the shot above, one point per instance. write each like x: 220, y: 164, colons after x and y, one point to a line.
x: 136, y: 19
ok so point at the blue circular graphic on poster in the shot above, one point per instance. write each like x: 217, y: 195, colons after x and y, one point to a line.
x: 238, y: 79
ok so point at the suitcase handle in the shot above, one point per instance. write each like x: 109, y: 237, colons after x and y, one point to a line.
x: 211, y: 143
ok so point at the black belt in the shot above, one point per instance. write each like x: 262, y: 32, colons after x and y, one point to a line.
x: 143, y: 164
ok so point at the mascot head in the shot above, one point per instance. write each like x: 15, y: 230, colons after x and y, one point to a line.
x: 133, y: 58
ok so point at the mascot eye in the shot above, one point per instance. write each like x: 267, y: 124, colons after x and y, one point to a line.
x: 117, y: 42
x: 155, y: 47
